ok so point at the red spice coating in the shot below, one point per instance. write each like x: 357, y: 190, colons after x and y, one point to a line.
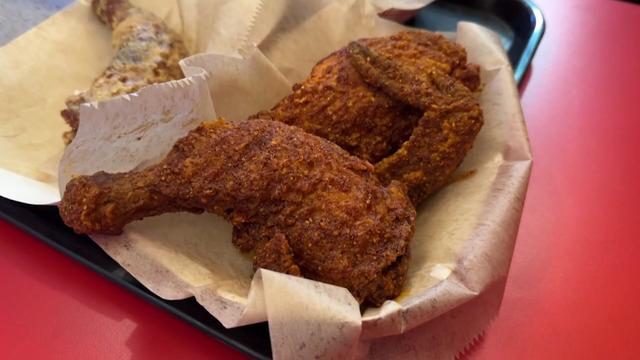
x: 304, y: 205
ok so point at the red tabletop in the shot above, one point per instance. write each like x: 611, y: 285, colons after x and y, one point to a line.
x: 573, y: 289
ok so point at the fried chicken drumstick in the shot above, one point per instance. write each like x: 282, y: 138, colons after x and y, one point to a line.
x: 404, y: 103
x: 148, y: 52
x: 305, y: 206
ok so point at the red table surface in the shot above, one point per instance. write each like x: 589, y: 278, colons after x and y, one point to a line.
x: 573, y: 289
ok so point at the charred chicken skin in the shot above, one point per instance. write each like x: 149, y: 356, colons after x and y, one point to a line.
x: 404, y: 103
x: 147, y: 52
x: 303, y: 205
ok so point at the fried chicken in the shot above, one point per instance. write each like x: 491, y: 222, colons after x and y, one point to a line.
x: 444, y: 134
x: 407, y: 140
x: 300, y: 203
x: 148, y: 52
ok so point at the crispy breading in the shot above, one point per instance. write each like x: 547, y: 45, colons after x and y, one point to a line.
x: 304, y: 205
x: 338, y: 103
x: 442, y: 137
x: 147, y: 52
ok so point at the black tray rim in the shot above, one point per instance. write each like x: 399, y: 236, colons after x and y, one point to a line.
x: 539, y: 27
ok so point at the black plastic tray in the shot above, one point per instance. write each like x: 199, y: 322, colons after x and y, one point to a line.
x: 520, y: 25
